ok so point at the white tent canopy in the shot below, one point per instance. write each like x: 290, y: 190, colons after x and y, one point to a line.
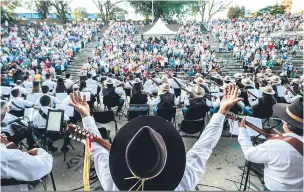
x: 159, y: 28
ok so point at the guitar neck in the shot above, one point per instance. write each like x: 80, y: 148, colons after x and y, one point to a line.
x: 102, y: 142
x: 255, y: 128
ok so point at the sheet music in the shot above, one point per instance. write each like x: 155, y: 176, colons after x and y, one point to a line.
x: 5, y: 90
x: 68, y: 110
x: 281, y: 90
x: 234, y: 127
x: 29, y: 112
x: 87, y: 94
x: 255, y: 92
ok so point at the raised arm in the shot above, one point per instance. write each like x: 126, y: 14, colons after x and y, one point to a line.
x: 99, y: 155
x: 199, y: 154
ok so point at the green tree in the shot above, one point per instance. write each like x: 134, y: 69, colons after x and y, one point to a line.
x: 41, y: 7
x: 79, y: 13
x: 107, y: 8
x: 8, y: 10
x: 236, y: 12
x: 62, y: 9
x: 164, y: 9
x: 272, y: 10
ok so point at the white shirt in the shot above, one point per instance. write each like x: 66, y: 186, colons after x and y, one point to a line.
x: 27, y: 84
x: 54, y: 101
x: 22, y: 90
x: 68, y: 83
x: 290, y: 98
x: 196, y: 157
x: 157, y: 100
x: 214, y: 104
x: 8, y: 128
x: 39, y: 121
x: 23, y: 167
x: 20, y: 103
x: 150, y: 86
x: 283, y: 163
x: 51, y: 84
x: 91, y: 82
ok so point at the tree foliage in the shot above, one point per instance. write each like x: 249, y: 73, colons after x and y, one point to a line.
x: 8, y: 9
x: 79, y: 13
x: 236, y: 12
x: 216, y: 6
x: 107, y: 9
x: 163, y: 9
x: 41, y: 7
x: 62, y: 8
x: 272, y: 10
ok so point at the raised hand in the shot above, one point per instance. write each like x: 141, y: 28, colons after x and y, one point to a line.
x: 229, y: 99
x: 80, y: 104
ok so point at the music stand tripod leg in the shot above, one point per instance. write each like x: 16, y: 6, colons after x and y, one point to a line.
x: 53, y: 181
x: 247, y: 175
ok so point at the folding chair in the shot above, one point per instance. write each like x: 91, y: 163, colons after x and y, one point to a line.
x: 168, y: 114
x: 192, y: 127
x: 105, y: 117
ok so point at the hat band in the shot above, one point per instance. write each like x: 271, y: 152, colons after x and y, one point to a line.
x: 294, y: 117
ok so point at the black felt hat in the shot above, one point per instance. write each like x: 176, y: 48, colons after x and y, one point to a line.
x: 290, y: 113
x: 147, y: 147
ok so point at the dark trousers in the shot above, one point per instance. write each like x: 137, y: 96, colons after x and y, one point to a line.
x: 50, y: 137
x: 19, y: 136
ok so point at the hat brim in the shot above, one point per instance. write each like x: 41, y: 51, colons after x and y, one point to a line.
x: 279, y: 110
x: 174, y: 169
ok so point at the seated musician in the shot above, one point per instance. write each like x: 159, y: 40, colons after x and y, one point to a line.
x: 51, y: 84
x: 112, y: 96
x: 45, y: 91
x: 39, y: 121
x: 137, y: 96
x: 26, y: 82
x: 284, y: 78
x: 166, y: 100
x: 36, y: 87
x: 22, y: 90
x: 68, y: 82
x: 189, y: 175
x: 14, y: 132
x: 262, y: 107
x: 18, y: 167
x: 152, y: 86
x: 60, y: 87
x: 247, y: 84
x: 198, y: 100
x: 283, y: 162
x: 83, y: 88
x: 17, y: 104
x: 294, y: 89
x: 202, y: 83
x: 276, y: 81
x: 217, y: 79
x: 238, y: 80
x: 90, y: 81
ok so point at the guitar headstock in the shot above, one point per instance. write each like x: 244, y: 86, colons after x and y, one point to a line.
x: 232, y: 116
x: 78, y: 133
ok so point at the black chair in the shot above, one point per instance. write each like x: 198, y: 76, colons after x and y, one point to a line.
x: 192, y: 127
x: 168, y: 114
x: 105, y: 117
x: 194, y: 113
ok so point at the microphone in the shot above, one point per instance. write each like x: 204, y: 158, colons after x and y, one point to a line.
x: 4, y: 124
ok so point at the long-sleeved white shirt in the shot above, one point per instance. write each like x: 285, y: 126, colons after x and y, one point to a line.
x: 54, y: 101
x: 283, y: 163
x: 51, y: 84
x: 214, y: 104
x: 196, y: 157
x: 157, y: 100
x: 20, y: 103
x: 290, y: 98
x: 23, y: 167
x: 40, y: 122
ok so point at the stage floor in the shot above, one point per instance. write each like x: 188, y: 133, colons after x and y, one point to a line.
x: 224, y: 163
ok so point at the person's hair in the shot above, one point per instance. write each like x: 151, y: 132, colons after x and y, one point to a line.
x: 36, y: 87
x: 60, y: 87
x: 83, y: 85
x: 268, y: 99
x: 15, y: 92
x: 26, y: 77
x: 89, y: 75
x: 109, y: 85
x: 45, y: 89
x: 137, y: 87
x: 68, y: 75
x: 47, y: 76
x: 45, y: 100
x: 18, y: 82
x: 295, y: 130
